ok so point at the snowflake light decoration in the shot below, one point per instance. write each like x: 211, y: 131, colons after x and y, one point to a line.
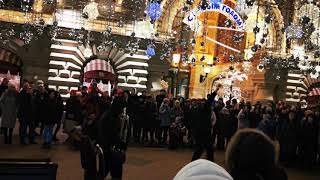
x: 294, y: 32
x: 154, y: 10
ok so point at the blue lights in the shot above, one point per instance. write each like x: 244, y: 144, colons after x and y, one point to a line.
x: 151, y: 51
x: 216, y: 1
x: 154, y: 10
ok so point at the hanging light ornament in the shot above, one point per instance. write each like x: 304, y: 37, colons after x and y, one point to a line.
x: 154, y: 11
x: 310, y: 13
x: 246, y: 66
x: 40, y: 27
x: 151, y: 50
x: 294, y: 32
x: 87, y: 51
x: 314, y: 75
x: 91, y: 11
x: 260, y: 67
x: 49, y: 1
x: 244, y: 9
x: 315, y: 37
x: 26, y: 5
x: 55, y: 30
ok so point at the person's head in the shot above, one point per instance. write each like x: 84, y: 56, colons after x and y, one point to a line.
x: 26, y: 86
x: 177, y: 103
x: 225, y: 111
x: 52, y: 95
x: 252, y: 153
x: 73, y: 93
x: 162, y: 92
x: 234, y: 102
x: 5, y: 81
x: 40, y: 85
x: 310, y: 119
x: 246, y: 108
x: 105, y: 94
x: 166, y: 101
x: 84, y: 89
x: 149, y: 99
x: 133, y: 91
x: 126, y: 94
x: 202, y: 170
x: 144, y: 93
x: 292, y: 116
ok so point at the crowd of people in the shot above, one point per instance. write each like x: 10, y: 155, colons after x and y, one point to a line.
x: 113, y: 121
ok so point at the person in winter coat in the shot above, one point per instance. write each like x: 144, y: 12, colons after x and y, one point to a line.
x: 202, y: 128
x: 287, y: 135
x: 151, y: 119
x: 251, y: 155
x: 73, y: 108
x: 308, y: 140
x: 40, y: 100
x: 224, y: 127
x: 54, y: 114
x: 139, y: 117
x: 243, y: 118
x: 9, y: 107
x: 4, y: 86
x: 202, y: 170
x: 177, y: 114
x: 58, y: 122
x: 25, y: 115
x: 164, y: 116
x: 110, y: 137
x: 268, y: 125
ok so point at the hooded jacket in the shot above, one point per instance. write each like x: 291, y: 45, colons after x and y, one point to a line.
x: 202, y: 170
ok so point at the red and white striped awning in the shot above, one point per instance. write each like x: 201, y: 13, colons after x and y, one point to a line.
x: 311, y: 81
x: 99, y: 65
x: 314, y: 92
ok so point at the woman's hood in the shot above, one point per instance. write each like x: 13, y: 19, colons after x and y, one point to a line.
x: 202, y: 170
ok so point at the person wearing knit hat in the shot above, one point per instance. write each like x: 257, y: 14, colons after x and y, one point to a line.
x: 202, y: 170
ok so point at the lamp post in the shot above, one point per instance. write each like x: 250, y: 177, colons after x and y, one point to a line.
x: 176, y: 60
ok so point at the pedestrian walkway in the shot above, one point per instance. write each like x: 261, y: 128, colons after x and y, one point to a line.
x: 142, y: 163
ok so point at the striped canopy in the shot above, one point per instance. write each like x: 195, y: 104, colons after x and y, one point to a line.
x: 99, y: 65
x: 314, y: 92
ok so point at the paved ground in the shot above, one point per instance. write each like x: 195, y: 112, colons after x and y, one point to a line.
x: 142, y: 163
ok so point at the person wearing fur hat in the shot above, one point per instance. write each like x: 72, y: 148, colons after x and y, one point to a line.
x: 202, y: 170
x: 251, y: 155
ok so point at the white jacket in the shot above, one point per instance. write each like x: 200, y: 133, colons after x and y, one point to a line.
x: 202, y: 170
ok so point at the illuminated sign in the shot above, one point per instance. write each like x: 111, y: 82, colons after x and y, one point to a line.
x: 192, y: 21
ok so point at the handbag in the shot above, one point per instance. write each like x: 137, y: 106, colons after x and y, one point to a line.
x: 118, y: 155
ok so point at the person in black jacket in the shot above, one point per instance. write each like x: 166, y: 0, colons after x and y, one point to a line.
x: 60, y: 108
x: 4, y: 85
x: 54, y: 113
x: 25, y: 114
x: 40, y: 100
x: 202, y: 127
x: 109, y: 127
